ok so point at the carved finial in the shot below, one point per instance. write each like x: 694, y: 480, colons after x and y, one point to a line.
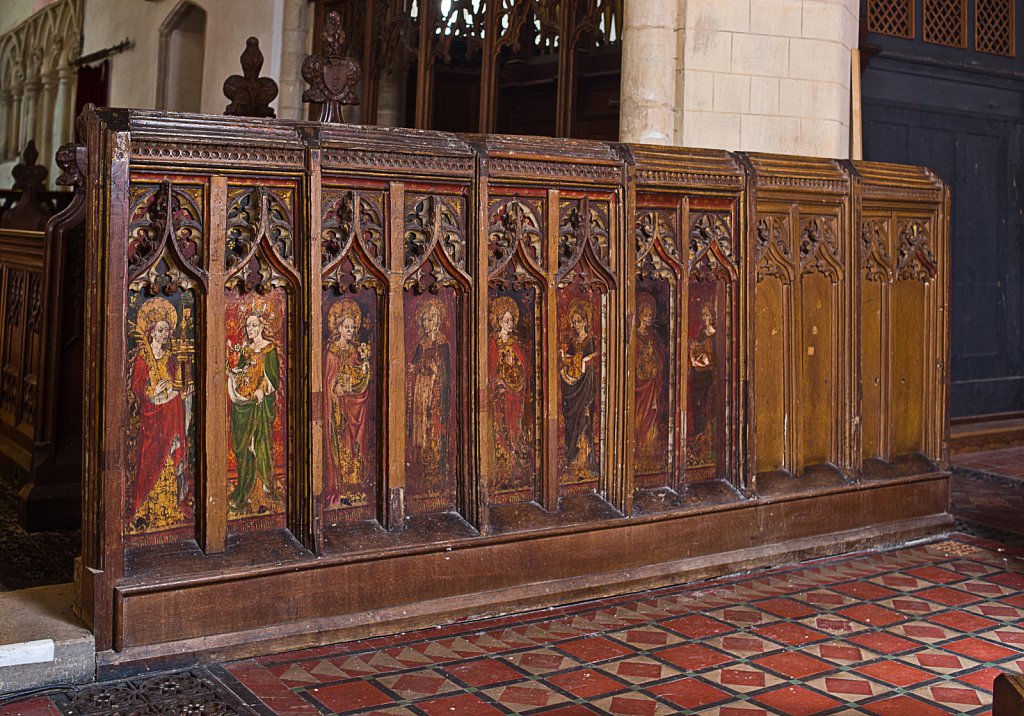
x: 73, y: 161
x: 331, y: 75
x: 249, y: 93
x: 29, y: 176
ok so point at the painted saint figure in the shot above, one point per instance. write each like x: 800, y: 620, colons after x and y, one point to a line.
x: 508, y: 370
x: 702, y: 372
x: 253, y: 383
x: 650, y: 361
x: 578, y: 369
x: 347, y: 395
x: 160, y: 486
x: 429, y: 383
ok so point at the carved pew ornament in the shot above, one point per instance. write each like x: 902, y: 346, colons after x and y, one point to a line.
x: 353, y: 369
x: 249, y: 93
x: 331, y: 75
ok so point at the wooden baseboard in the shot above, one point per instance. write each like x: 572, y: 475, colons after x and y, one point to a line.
x: 986, y: 432
x: 160, y: 626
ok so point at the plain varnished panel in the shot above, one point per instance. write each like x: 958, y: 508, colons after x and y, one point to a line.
x: 770, y: 354
x: 872, y: 360
x: 909, y: 365
x: 817, y: 376
x: 240, y: 604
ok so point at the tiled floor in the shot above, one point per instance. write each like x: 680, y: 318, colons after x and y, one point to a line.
x: 914, y: 631
x: 1008, y: 462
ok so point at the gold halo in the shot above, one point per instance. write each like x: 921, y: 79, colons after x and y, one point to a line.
x: 499, y: 306
x: 646, y: 300
x: 152, y: 312
x: 345, y: 308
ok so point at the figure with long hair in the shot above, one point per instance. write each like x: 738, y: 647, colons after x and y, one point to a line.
x: 253, y: 382
x: 702, y: 372
x: 579, y: 371
x: 346, y: 398
x: 160, y: 487
x: 508, y: 369
x: 429, y: 381
x: 650, y: 361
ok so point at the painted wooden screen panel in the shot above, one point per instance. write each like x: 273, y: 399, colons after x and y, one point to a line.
x: 686, y: 358
x: 418, y: 367
x: 805, y: 317
x: 904, y: 289
x: 553, y: 227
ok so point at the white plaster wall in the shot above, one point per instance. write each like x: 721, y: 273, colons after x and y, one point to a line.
x: 133, y: 74
x: 766, y: 75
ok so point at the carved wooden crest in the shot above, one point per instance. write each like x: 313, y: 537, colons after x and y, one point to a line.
x: 249, y: 93
x: 332, y: 76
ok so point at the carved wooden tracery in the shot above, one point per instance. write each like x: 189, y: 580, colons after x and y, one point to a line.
x: 259, y: 245
x: 165, y: 252
x: 492, y: 45
x: 352, y: 241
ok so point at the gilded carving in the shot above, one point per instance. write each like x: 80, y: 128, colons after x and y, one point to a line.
x: 583, y: 243
x: 259, y: 247
x: 711, y: 246
x: 435, y: 244
x: 352, y: 242
x: 914, y: 258
x: 166, y: 237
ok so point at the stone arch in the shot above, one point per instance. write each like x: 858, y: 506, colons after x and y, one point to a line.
x: 182, y: 46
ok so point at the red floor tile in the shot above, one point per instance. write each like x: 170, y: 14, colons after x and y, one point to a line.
x: 585, y: 683
x: 872, y: 614
x: 797, y: 701
x: 40, y: 706
x: 690, y: 693
x: 594, y: 649
x: 483, y: 672
x: 693, y: 657
x: 791, y: 634
x: 467, y: 704
x: 794, y: 665
x: 697, y: 626
x: 980, y: 650
x: 903, y: 706
x: 351, y: 696
x: 895, y: 673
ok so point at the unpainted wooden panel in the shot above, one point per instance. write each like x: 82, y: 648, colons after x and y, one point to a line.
x: 770, y: 358
x: 873, y: 384
x: 909, y: 355
x: 817, y: 387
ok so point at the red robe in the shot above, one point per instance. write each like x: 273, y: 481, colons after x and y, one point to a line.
x: 651, y: 427
x: 159, y: 425
x: 346, y: 421
x: 507, y: 367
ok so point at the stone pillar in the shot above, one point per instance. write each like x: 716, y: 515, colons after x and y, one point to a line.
x: 293, y: 51
x: 647, y: 94
x: 29, y: 107
x: 391, y: 96
x: 64, y: 108
x: 44, y: 123
x: 5, y: 121
x: 13, y: 129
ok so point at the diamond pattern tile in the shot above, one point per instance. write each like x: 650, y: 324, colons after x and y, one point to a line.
x: 919, y: 630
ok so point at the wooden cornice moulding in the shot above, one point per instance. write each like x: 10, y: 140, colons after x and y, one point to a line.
x: 679, y: 168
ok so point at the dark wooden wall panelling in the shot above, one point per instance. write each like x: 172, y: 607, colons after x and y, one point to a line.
x: 375, y: 378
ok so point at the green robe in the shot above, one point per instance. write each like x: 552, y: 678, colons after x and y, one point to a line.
x: 252, y: 437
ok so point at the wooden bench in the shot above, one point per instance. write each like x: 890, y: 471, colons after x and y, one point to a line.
x: 41, y: 293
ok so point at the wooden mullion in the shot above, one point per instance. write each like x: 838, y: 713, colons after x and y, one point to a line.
x: 314, y: 463
x: 371, y: 73
x: 483, y: 465
x: 212, y: 483
x: 793, y: 377
x: 565, y: 93
x: 683, y: 338
x: 549, y: 480
x: 425, y: 65
x: 392, y: 513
